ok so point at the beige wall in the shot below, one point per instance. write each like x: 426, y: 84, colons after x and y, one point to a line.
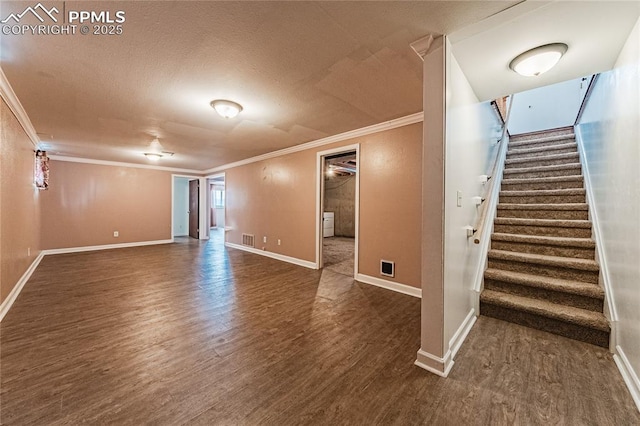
x: 276, y: 198
x: 20, y: 218
x: 390, y: 203
x: 86, y: 203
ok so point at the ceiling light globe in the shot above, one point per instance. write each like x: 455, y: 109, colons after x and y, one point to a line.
x: 538, y: 60
x: 153, y: 156
x: 225, y: 108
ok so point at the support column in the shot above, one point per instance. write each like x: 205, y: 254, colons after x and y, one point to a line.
x: 432, y: 356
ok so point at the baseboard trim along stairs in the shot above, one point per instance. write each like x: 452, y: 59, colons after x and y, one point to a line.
x: 541, y: 269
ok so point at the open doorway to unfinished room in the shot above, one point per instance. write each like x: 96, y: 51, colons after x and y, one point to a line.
x: 339, y: 176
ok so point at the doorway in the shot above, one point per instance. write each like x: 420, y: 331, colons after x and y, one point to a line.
x: 338, y: 213
x: 180, y: 207
x: 194, y: 204
x: 217, y: 197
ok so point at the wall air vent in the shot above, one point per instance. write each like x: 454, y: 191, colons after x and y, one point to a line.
x: 387, y: 268
x: 248, y: 240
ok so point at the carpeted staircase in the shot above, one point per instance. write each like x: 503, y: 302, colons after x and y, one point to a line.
x: 541, y: 270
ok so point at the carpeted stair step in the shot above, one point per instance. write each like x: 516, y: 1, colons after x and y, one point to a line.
x: 565, y: 211
x: 554, y: 182
x: 541, y: 142
x: 537, y: 151
x: 559, y: 131
x: 549, y: 227
x: 544, y: 196
x: 538, y: 141
x: 546, y: 160
x: 579, y: 324
x: 583, y: 248
x: 585, y: 270
x: 523, y: 172
x: 565, y: 292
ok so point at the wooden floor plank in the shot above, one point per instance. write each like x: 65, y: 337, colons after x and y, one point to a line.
x: 193, y: 333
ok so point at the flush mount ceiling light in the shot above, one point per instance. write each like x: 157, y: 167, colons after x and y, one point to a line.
x: 538, y: 60
x: 153, y: 156
x: 225, y: 108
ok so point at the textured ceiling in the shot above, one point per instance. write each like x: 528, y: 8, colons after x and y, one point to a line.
x: 302, y: 71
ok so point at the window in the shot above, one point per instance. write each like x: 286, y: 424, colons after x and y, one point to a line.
x: 218, y: 198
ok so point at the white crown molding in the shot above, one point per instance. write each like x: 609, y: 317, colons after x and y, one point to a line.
x: 7, y: 93
x: 421, y: 46
x: 277, y: 256
x: 13, y: 295
x: 9, y: 96
x: 380, y: 127
x: 375, y: 128
x: 197, y: 173
x: 390, y: 285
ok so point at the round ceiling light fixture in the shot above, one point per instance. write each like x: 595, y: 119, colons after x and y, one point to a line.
x: 538, y: 60
x: 226, y: 108
x: 153, y: 156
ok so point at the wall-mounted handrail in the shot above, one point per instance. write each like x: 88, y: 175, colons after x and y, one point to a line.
x: 478, y: 229
x: 587, y: 95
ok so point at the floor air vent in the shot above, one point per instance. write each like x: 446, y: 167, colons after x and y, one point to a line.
x: 248, y: 240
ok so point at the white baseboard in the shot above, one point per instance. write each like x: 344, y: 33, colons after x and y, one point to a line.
x: 605, y: 280
x: 105, y: 247
x: 277, y: 256
x: 461, y: 334
x: 442, y: 366
x: 13, y: 295
x: 628, y: 374
x: 434, y: 364
x: 390, y: 285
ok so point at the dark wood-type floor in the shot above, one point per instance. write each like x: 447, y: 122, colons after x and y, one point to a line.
x: 195, y: 333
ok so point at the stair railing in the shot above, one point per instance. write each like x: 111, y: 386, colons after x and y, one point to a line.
x: 490, y: 197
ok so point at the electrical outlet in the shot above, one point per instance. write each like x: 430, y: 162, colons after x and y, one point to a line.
x: 264, y: 239
x: 116, y: 234
x: 459, y: 196
x: 278, y: 242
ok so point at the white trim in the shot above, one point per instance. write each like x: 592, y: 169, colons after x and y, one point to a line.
x: 422, y: 45
x: 424, y: 358
x: 461, y: 334
x: 173, y: 185
x: 320, y: 201
x: 628, y: 374
x: 104, y: 247
x: 390, y: 285
x: 197, y: 173
x: 605, y: 278
x: 217, y: 175
x: 277, y: 256
x: 203, y: 209
x: 13, y: 295
x: 375, y: 128
x: 9, y: 96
